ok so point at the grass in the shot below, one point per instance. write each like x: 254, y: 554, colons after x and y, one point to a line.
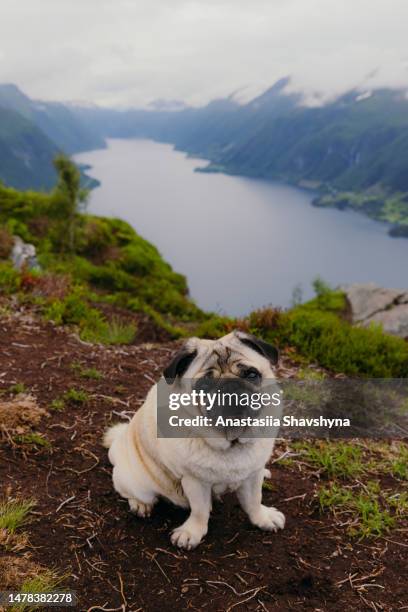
x: 371, y: 511
x: 18, y: 388
x: 333, y: 459
x: 113, y: 332
x: 45, y: 582
x: 399, y: 465
x: 57, y: 404
x: 76, y: 396
x: 88, y: 373
x: 14, y: 513
x: 33, y: 439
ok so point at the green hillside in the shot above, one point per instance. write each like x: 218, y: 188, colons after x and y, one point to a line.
x: 26, y: 153
x: 56, y: 120
x: 97, y: 274
x: 32, y: 133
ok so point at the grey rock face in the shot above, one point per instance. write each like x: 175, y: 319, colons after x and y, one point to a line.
x: 24, y: 254
x: 393, y: 321
x: 370, y: 303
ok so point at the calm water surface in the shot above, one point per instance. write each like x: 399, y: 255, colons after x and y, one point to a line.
x: 242, y: 243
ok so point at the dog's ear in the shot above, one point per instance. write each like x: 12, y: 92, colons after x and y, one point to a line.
x: 179, y: 364
x: 263, y: 348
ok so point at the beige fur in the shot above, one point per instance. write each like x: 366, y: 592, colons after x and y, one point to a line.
x: 189, y: 471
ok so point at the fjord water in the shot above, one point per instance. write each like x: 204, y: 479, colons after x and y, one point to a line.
x: 242, y: 243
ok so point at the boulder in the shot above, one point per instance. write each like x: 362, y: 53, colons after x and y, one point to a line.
x: 370, y: 303
x: 393, y: 321
x: 24, y: 255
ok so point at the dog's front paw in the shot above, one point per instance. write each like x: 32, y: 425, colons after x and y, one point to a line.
x: 187, y: 536
x: 269, y: 519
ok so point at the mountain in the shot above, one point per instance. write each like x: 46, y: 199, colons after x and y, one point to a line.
x: 356, y: 142
x: 32, y: 133
x: 56, y: 120
x: 354, y: 150
x: 26, y: 153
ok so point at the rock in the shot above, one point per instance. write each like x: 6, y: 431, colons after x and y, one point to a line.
x: 370, y: 303
x: 24, y: 254
x: 403, y: 299
x: 393, y: 321
x: 366, y: 299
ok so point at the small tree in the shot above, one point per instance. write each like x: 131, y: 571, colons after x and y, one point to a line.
x: 71, y: 198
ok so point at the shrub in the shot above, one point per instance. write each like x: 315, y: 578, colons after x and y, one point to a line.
x: 335, y: 344
x: 9, y: 278
x: 6, y: 243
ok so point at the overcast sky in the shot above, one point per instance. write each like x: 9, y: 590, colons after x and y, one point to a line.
x: 130, y: 52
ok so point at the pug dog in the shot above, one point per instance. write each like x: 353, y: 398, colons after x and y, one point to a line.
x: 190, y: 471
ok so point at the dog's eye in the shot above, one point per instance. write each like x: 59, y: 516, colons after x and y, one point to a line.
x: 251, y: 374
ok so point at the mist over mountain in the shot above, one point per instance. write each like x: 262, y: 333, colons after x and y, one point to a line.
x: 358, y: 142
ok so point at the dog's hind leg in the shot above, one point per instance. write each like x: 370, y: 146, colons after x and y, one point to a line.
x: 140, y: 508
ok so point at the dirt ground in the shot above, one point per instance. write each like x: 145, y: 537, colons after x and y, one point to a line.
x: 116, y: 561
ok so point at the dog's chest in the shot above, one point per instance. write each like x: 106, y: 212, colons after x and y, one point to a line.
x: 225, y: 470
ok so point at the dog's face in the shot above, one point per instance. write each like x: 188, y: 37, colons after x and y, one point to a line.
x: 235, y: 364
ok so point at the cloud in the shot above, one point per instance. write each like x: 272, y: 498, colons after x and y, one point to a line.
x: 131, y: 52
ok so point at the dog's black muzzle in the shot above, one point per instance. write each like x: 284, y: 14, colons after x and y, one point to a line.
x: 232, y: 401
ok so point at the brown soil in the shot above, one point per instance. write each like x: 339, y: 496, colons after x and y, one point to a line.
x: 117, y: 561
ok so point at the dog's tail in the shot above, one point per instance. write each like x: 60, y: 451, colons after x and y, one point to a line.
x: 112, y: 433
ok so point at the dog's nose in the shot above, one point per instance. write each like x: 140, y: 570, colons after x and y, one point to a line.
x: 234, y: 398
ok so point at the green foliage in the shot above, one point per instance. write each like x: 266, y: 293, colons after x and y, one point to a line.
x: 9, y: 278
x: 33, y: 439
x: 319, y: 335
x: 214, y: 327
x: 399, y: 465
x: 6, y: 242
x: 113, y: 332
x: 113, y: 264
x: 69, y: 196
x: 57, y: 404
x: 322, y: 337
x: 372, y: 511
x: 90, y: 373
x: 76, y: 396
x: 17, y: 388
x: 326, y: 298
x: 14, y: 513
x: 333, y: 458
x: 385, y: 206
x: 45, y: 582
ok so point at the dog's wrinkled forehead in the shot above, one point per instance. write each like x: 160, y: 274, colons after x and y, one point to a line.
x: 223, y: 356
